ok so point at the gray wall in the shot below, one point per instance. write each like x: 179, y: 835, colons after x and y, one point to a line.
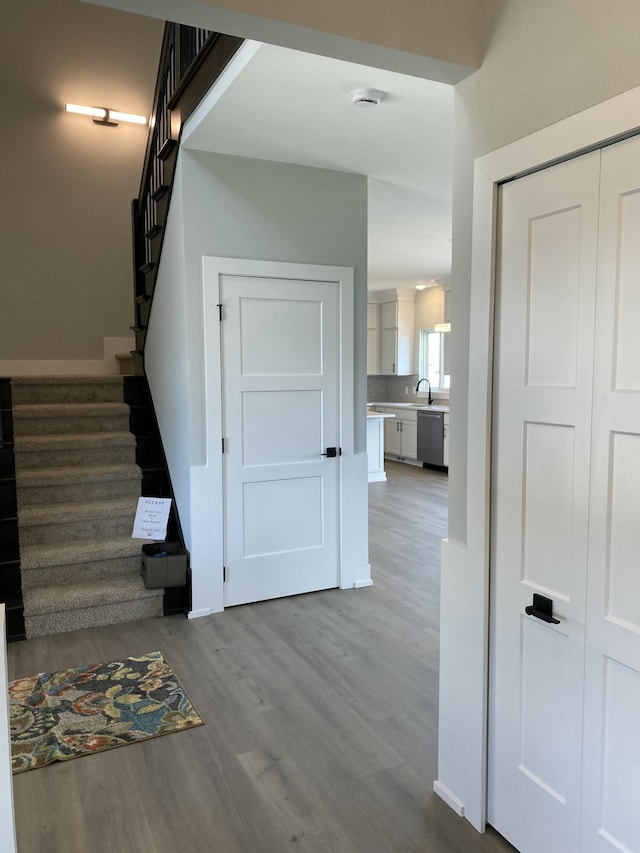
x: 67, y: 185
x: 547, y: 60
x: 236, y: 207
x: 242, y: 208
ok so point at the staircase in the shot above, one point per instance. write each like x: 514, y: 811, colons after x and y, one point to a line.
x: 77, y: 487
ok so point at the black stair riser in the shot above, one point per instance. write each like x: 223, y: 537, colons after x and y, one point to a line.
x: 8, y: 500
x: 15, y: 624
x: 178, y: 599
x: 10, y: 584
x: 154, y: 482
x: 5, y: 393
x: 149, y: 452
x: 9, y: 543
x: 6, y: 427
x: 141, y: 419
x: 7, y: 463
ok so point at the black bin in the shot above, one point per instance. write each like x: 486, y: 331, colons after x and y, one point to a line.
x: 164, y: 564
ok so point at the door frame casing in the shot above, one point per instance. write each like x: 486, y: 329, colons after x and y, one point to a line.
x: 352, y: 572
x: 465, y: 581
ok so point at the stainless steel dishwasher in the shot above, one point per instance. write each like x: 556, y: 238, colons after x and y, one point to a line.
x: 431, y: 437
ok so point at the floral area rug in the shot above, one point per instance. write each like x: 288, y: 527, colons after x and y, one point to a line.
x: 56, y: 716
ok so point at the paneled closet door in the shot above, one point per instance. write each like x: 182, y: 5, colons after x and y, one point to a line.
x: 611, y: 766
x: 542, y: 424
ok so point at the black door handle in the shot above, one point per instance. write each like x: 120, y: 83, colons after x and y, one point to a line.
x: 332, y: 451
x: 542, y: 608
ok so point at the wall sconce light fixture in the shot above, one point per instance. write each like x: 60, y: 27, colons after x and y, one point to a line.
x: 104, y: 115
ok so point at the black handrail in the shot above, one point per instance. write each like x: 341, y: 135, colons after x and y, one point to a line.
x: 190, y: 61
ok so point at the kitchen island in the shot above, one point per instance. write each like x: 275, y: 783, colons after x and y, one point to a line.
x: 375, y: 445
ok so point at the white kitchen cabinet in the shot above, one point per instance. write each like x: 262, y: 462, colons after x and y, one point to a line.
x: 391, y: 436
x: 396, y: 335
x: 445, y: 442
x: 401, y: 434
x: 373, y: 339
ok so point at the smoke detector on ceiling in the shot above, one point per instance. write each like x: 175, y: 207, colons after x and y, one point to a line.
x: 366, y: 97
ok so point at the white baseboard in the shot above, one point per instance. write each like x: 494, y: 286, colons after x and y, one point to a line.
x: 196, y: 614
x: 362, y: 583
x: 70, y: 367
x: 450, y: 799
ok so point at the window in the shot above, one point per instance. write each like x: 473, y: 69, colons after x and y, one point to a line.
x: 433, y: 359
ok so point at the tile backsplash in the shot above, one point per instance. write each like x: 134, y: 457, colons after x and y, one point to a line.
x: 391, y: 389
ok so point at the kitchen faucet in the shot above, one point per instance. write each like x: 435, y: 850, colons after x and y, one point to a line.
x: 430, y: 398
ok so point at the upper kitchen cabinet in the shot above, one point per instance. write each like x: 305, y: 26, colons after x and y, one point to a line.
x: 395, y: 357
x: 373, y: 338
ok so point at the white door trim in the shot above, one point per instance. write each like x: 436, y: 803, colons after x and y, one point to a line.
x: 464, y: 661
x: 213, y: 268
x: 7, y: 823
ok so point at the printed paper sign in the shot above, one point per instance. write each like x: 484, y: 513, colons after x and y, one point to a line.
x: 151, y: 518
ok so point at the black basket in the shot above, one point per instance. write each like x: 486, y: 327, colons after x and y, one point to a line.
x: 164, y: 564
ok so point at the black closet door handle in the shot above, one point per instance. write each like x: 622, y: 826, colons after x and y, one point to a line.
x: 542, y: 608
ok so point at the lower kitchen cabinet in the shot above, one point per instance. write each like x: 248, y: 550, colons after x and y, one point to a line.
x: 445, y: 442
x: 400, y: 434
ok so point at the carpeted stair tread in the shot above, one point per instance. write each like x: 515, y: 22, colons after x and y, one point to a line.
x: 91, y: 617
x: 41, y: 556
x: 31, y: 443
x: 66, y: 597
x: 68, y: 379
x: 72, y: 475
x: 66, y: 389
x: 72, y: 512
x: 29, y: 411
x: 50, y: 418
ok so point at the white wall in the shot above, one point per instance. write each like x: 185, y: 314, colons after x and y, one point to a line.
x: 167, y: 355
x: 67, y: 184
x: 241, y: 208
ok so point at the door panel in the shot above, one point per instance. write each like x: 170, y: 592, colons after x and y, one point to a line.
x: 542, y: 425
x: 280, y: 359
x: 611, y: 779
x: 553, y: 304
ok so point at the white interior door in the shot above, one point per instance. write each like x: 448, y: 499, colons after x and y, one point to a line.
x: 612, y: 686
x: 280, y: 373
x: 542, y: 427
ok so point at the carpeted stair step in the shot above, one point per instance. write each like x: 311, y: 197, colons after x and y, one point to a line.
x: 78, y: 486
x: 77, y: 562
x: 60, y: 451
x: 66, y: 389
x: 58, y: 523
x: 70, y: 607
x: 59, y: 418
x: 75, y: 484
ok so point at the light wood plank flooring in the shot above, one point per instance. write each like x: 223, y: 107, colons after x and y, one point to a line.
x: 320, y: 710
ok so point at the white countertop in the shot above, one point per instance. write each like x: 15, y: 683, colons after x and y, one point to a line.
x: 371, y: 414
x: 418, y: 407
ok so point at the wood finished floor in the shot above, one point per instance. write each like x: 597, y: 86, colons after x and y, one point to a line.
x: 320, y: 710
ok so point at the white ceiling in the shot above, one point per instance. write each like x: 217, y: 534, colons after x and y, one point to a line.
x: 295, y: 107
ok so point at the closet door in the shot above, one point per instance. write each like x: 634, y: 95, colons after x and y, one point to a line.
x: 611, y: 783
x: 542, y: 426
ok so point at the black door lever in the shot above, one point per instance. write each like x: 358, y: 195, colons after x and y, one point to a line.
x: 332, y: 451
x: 542, y: 608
